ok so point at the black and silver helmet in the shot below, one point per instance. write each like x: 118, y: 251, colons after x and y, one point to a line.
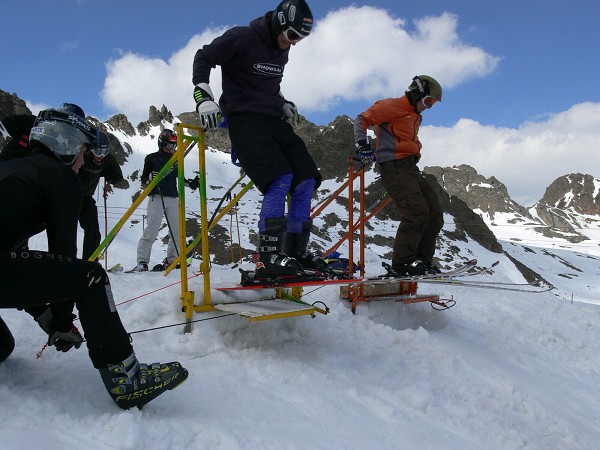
x: 294, y: 18
x: 63, y: 132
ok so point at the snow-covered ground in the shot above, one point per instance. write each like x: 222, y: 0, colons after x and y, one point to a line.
x: 500, y: 370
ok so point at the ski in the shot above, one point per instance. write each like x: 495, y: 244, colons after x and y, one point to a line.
x: 116, y: 268
x: 530, y: 288
x: 157, y: 267
x: 463, y: 270
x: 136, y: 271
x: 315, y: 278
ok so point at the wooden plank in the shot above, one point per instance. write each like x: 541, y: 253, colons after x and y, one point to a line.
x: 267, y: 309
x: 379, y: 289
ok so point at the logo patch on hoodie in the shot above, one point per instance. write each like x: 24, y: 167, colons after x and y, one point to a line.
x: 272, y: 70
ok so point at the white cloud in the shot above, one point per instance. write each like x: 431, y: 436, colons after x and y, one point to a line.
x: 364, y: 53
x: 37, y: 107
x: 526, y: 159
x: 135, y: 82
x: 70, y: 45
x: 360, y: 53
x: 343, y: 59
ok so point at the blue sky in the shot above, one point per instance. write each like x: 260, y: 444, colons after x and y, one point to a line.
x: 502, y: 64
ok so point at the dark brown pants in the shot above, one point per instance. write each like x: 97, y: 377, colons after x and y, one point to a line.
x: 421, y: 217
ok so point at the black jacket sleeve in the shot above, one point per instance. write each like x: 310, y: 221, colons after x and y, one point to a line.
x: 147, y: 169
x: 112, y: 170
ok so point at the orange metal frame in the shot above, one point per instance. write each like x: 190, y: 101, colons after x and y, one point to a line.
x: 356, y: 292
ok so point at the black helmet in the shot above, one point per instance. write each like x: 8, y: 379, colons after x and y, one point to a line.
x: 73, y: 108
x: 292, y: 16
x: 101, y: 145
x: 63, y: 133
x: 168, y: 138
x: 424, y: 86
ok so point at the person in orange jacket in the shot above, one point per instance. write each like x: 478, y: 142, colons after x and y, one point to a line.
x: 396, y: 122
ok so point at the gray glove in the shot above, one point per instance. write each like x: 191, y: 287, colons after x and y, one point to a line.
x: 62, y: 340
x: 66, y: 341
x: 291, y: 112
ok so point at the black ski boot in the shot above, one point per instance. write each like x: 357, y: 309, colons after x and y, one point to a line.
x: 296, y: 245
x: 130, y: 383
x: 432, y: 269
x: 270, y: 259
x: 413, y: 268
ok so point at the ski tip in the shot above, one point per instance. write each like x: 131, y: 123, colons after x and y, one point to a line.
x: 495, y: 264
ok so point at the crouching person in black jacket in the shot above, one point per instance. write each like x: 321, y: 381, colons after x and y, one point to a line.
x: 40, y: 192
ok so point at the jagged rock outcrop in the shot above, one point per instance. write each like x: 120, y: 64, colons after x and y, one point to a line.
x: 329, y: 146
x: 577, y: 192
x: 121, y: 122
x: 11, y: 104
x: 487, y: 195
x: 570, y: 201
x: 155, y: 118
x: 490, y: 197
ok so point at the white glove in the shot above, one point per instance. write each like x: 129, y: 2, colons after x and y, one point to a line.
x: 291, y: 112
x: 209, y: 111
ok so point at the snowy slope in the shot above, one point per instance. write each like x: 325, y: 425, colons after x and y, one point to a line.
x: 500, y: 370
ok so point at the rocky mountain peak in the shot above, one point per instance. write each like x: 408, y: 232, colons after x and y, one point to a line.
x: 330, y: 146
x: 576, y: 191
x: 155, y: 118
x: 10, y: 104
x: 121, y: 122
x: 487, y: 195
x: 570, y: 200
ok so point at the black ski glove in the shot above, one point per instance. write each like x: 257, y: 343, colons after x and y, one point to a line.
x: 193, y: 183
x: 365, y: 153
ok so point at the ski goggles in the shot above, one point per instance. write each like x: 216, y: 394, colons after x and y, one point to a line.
x: 101, y: 146
x: 428, y: 101
x: 171, y: 145
x: 99, y: 152
x: 292, y: 35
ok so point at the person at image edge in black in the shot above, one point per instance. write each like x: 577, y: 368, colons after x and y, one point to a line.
x: 39, y: 192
